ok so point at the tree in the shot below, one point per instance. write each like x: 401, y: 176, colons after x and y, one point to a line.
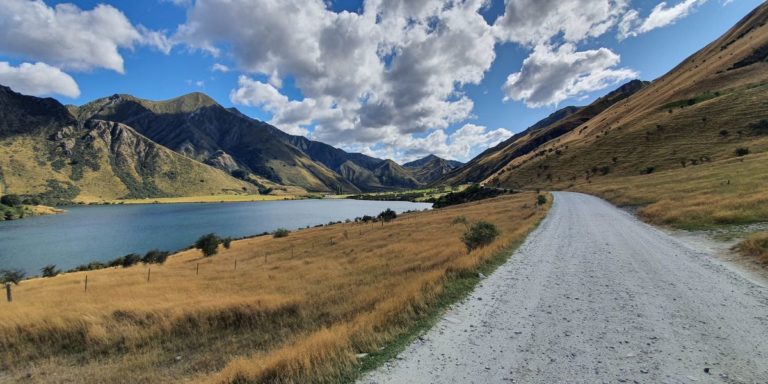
x: 479, y: 234
x: 226, y: 242
x: 387, y: 215
x: 11, y: 276
x: 130, y: 259
x: 208, y: 244
x: 11, y: 200
x: 541, y: 200
x: 50, y: 270
x: 280, y: 232
x: 155, y: 257
x: 240, y: 174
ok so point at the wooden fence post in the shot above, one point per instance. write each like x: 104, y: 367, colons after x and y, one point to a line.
x: 8, y: 292
x: 149, y: 272
x: 86, y: 282
x: 197, y: 269
x: 235, y: 263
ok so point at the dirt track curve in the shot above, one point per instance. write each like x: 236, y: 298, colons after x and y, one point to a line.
x: 596, y: 296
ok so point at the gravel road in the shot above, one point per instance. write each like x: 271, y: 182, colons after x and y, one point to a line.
x: 596, y: 296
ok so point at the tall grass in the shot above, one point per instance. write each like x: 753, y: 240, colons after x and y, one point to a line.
x: 296, y: 309
x: 723, y: 192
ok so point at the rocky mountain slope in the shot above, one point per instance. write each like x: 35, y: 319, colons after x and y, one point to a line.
x: 46, y: 152
x: 710, y: 107
x: 430, y: 168
x: 198, y: 127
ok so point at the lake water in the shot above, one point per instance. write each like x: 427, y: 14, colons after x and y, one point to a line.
x: 101, y: 233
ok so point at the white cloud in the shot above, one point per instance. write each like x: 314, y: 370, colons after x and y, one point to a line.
x: 549, y: 76
x: 397, y: 67
x: 38, y: 79
x: 533, y: 22
x: 661, y: 15
x: 69, y: 37
x: 217, y: 67
x: 459, y: 145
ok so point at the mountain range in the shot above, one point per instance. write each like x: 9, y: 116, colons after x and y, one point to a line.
x: 711, y: 107
x: 126, y: 147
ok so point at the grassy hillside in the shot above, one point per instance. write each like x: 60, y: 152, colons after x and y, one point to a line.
x: 104, y: 161
x: 198, y: 127
x: 295, y: 309
x: 700, y: 112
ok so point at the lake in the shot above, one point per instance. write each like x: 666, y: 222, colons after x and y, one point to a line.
x: 101, y: 233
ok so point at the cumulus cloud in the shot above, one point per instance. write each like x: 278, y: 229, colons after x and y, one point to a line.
x: 549, y: 76
x: 38, y: 79
x: 533, y: 22
x: 395, y: 68
x: 69, y: 37
x: 459, y: 145
x: 661, y: 15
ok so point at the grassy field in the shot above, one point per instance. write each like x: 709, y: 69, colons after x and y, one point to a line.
x: 724, y: 192
x: 291, y: 310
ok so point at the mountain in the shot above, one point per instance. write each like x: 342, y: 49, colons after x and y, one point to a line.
x: 45, y: 151
x: 198, y: 127
x: 708, y: 108
x: 555, y: 125
x: 430, y: 168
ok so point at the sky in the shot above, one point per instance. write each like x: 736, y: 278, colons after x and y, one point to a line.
x: 395, y: 79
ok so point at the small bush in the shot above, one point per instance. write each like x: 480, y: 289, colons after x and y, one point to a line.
x: 280, y: 232
x: 723, y: 132
x: 648, y: 170
x: 460, y: 220
x: 541, y: 200
x: 742, y: 151
x: 387, y: 215
x: 479, y: 234
x: 11, y: 276
x: 11, y: 200
x: 50, y: 270
x: 155, y: 257
x: 208, y: 244
x: 226, y: 242
x: 129, y: 260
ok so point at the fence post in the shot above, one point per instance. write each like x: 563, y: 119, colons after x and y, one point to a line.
x: 8, y: 292
x: 235, y: 263
x: 197, y: 269
x: 149, y: 271
x: 86, y: 282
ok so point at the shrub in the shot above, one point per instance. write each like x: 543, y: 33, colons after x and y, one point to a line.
x: 387, y: 215
x: 11, y: 276
x: 208, y: 244
x: 479, y: 234
x: 226, y: 242
x: 742, y: 151
x: 50, y: 270
x: 648, y: 170
x: 11, y: 200
x: 129, y: 260
x: 155, y: 257
x: 723, y: 132
x: 280, y: 232
x: 460, y: 220
x: 541, y: 200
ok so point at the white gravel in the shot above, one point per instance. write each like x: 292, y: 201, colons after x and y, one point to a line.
x: 596, y: 296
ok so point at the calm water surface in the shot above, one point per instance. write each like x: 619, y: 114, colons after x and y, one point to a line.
x: 100, y: 233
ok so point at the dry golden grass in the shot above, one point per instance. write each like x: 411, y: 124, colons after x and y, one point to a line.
x: 755, y: 246
x: 296, y: 309
x: 696, y: 197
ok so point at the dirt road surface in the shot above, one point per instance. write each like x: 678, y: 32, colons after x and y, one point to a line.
x: 596, y: 296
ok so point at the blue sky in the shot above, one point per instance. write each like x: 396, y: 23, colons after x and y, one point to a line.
x: 453, y: 120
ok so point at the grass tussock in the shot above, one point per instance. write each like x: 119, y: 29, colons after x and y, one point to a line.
x: 296, y: 309
x: 755, y: 247
x: 719, y: 193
